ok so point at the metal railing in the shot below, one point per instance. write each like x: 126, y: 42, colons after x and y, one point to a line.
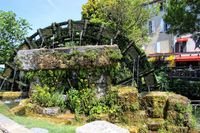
x: 195, y: 105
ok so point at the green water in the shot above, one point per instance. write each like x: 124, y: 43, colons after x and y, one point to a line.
x: 10, y: 103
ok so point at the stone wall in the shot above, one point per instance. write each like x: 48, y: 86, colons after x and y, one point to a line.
x: 68, y: 58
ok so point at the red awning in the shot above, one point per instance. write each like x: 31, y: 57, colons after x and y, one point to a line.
x: 187, y: 58
x: 182, y: 39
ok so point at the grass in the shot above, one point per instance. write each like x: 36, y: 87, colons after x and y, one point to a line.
x: 30, y: 122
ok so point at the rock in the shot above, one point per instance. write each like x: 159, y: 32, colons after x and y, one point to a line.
x: 154, y: 103
x: 179, y: 111
x: 177, y: 102
x: 39, y: 130
x: 48, y: 111
x: 101, y: 127
x: 128, y: 96
x: 155, y: 124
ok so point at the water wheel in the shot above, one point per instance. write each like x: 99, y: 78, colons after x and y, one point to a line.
x: 80, y: 33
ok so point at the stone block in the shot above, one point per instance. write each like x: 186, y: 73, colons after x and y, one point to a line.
x: 128, y: 96
x: 178, y: 103
x: 155, y: 104
x: 68, y: 58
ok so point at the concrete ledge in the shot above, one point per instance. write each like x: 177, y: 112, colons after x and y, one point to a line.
x: 11, y: 126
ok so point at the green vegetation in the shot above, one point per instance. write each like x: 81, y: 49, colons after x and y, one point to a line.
x: 47, y: 97
x: 129, y: 17
x: 182, y: 16
x: 12, y: 32
x: 197, y: 116
x: 113, y: 104
x: 30, y: 122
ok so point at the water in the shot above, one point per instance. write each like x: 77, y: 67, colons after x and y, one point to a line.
x: 11, y: 103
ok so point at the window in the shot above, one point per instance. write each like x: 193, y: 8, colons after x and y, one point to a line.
x: 151, y: 26
x: 163, y: 26
x: 161, y: 6
x: 180, y: 47
x: 166, y: 27
x: 157, y: 47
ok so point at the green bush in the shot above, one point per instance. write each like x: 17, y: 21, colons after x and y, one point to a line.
x: 48, y: 97
x: 81, y: 101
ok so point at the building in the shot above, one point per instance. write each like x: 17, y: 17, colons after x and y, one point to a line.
x: 160, y: 41
x: 184, y: 49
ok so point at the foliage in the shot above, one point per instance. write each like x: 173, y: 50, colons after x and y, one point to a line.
x: 45, y: 77
x: 119, y: 72
x: 47, y: 97
x: 127, y: 16
x: 81, y: 101
x: 183, y: 16
x: 85, y: 102
x: 162, y: 78
x: 12, y: 33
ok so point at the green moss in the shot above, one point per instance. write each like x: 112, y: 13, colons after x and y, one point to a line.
x: 155, y: 103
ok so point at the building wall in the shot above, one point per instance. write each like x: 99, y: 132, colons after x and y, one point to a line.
x: 160, y: 42
x: 191, y: 46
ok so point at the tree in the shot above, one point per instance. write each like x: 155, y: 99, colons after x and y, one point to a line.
x: 183, y: 16
x: 128, y: 16
x: 12, y: 33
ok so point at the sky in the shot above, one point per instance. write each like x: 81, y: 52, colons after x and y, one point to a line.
x: 42, y: 13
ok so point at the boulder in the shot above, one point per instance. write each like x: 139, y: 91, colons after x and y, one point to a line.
x: 154, y: 103
x: 47, y: 110
x: 101, y: 127
x: 179, y: 111
x: 177, y: 102
x: 128, y: 96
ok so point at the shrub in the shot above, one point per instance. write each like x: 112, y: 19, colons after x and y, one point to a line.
x: 81, y: 101
x: 47, y: 97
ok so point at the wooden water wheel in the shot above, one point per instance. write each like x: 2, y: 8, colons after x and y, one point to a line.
x: 80, y: 33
